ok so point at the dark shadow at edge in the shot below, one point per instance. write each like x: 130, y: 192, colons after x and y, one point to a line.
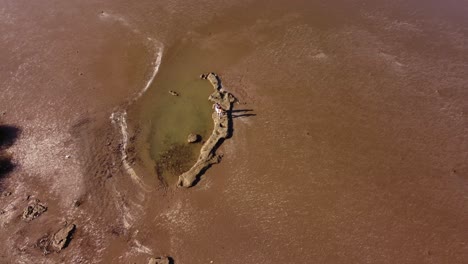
x: 69, y: 237
x: 8, y: 135
x: 171, y: 260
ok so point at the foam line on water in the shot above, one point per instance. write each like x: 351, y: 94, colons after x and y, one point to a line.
x: 118, y: 18
x: 155, y: 68
x: 119, y: 117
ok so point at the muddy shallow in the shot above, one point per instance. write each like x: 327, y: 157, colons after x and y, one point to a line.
x: 351, y: 148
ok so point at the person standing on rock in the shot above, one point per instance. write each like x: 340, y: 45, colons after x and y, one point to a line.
x: 219, y: 110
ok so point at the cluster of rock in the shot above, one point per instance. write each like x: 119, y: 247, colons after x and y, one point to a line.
x: 33, y: 211
x: 173, y: 93
x: 48, y: 243
x: 220, y: 132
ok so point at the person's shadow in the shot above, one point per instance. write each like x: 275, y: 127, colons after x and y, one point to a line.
x: 238, y: 113
x: 242, y: 113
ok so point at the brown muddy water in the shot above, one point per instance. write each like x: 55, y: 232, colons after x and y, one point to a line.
x: 349, y: 145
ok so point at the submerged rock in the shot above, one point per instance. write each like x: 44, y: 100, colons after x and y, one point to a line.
x: 62, y: 237
x: 193, y: 138
x: 160, y: 260
x: 33, y: 211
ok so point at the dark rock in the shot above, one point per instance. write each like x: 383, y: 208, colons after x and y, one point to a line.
x: 203, y: 76
x: 33, y: 211
x: 76, y: 203
x: 62, y: 237
x: 193, y: 138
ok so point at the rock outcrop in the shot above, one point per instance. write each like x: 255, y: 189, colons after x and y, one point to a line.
x: 160, y: 260
x: 220, y: 132
x: 56, y: 242
x: 62, y: 237
x: 33, y: 211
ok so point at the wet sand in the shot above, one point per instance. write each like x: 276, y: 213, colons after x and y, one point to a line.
x: 354, y: 150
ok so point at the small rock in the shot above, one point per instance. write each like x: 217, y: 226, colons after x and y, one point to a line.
x: 173, y: 93
x: 2, y: 212
x: 203, y: 76
x: 193, y: 138
x: 160, y: 260
x: 6, y: 194
x: 67, y: 156
x: 76, y: 203
x: 33, y: 211
x: 62, y: 237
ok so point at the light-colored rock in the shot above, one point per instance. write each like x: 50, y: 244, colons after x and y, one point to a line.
x: 62, y: 237
x: 193, y: 138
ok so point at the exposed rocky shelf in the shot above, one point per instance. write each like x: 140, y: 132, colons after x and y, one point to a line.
x: 221, y: 131
x: 33, y: 210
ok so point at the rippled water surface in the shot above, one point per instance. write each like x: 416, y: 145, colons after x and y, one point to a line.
x: 349, y: 144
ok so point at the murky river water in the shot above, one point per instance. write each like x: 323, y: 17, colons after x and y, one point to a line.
x: 349, y: 143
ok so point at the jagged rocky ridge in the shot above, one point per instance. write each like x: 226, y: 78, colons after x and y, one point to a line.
x: 221, y: 131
